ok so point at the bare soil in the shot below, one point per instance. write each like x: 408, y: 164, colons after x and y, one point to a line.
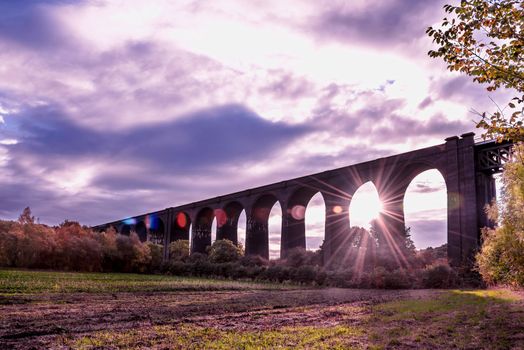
x: 34, y: 321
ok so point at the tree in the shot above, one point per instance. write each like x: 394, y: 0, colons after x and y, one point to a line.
x: 26, y: 217
x: 179, y: 250
x: 223, y: 250
x: 485, y: 39
x: 501, y: 259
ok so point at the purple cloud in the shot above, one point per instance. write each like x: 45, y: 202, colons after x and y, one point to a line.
x: 389, y: 23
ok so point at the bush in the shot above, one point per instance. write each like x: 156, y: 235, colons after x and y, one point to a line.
x: 398, y: 279
x: 439, y: 276
x: 223, y: 250
x: 339, y: 278
x: 305, y: 274
x: 179, y: 250
x: 277, y: 273
x: 179, y: 268
x: 197, y: 258
x: 501, y: 259
x: 253, y: 260
x: 298, y: 257
x: 157, y: 256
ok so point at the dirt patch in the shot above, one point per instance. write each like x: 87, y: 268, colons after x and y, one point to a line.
x: 388, y: 319
x: 33, y: 321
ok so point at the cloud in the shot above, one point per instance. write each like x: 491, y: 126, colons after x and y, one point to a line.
x: 378, y: 23
x: 31, y: 24
x: 428, y: 188
x: 428, y: 233
x: 283, y: 84
x: 202, y: 144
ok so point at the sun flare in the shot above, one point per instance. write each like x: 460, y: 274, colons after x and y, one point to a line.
x: 365, y: 206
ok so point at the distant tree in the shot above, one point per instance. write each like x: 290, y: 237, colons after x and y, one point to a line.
x: 156, y: 252
x: 297, y: 257
x: 394, y: 250
x: 485, y: 40
x: 179, y: 250
x: 26, y: 217
x: 501, y: 259
x: 223, y: 250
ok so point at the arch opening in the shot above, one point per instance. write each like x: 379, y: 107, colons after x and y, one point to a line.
x: 180, y: 227
x: 365, y: 206
x: 241, y: 229
x: 156, y: 230
x: 125, y: 230
x: 227, y: 221
x: 257, y: 234
x: 201, y: 230
x: 315, y: 219
x: 275, y: 231
x: 425, y: 211
x: 141, y: 231
x: 214, y: 230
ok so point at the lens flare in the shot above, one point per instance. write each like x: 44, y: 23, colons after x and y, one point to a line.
x: 129, y: 221
x: 181, y: 220
x: 365, y: 205
x: 298, y: 212
x: 221, y: 217
x: 337, y: 209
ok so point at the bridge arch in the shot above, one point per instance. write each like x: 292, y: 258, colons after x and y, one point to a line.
x: 124, y: 229
x: 227, y: 221
x: 365, y: 205
x: 293, y: 216
x: 156, y: 229
x: 180, y: 227
x: 425, y: 209
x: 201, y: 230
x: 315, y: 220
x: 141, y: 230
x: 257, y: 231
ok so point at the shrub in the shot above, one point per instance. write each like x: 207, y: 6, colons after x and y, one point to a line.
x: 298, y: 257
x: 223, y: 250
x: 339, y: 278
x: 501, y: 259
x: 277, y: 273
x: 398, y: 279
x: 305, y: 274
x: 197, y: 257
x: 179, y: 268
x: 179, y: 250
x: 378, y: 277
x: 253, y: 260
x: 156, y: 252
x: 439, y: 276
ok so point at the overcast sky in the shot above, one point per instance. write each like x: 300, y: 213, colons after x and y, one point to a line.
x: 113, y: 108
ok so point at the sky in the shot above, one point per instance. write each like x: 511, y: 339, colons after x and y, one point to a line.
x: 112, y: 108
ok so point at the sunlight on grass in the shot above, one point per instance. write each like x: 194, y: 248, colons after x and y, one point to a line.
x: 456, y: 319
x: 446, y: 301
x: 190, y: 337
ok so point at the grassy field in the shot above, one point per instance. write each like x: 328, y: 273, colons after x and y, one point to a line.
x: 28, y: 282
x: 120, y: 311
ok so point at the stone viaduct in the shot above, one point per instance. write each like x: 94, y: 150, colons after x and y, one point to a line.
x: 466, y: 166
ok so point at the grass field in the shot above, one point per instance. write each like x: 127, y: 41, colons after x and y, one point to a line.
x: 27, y: 282
x: 113, y: 311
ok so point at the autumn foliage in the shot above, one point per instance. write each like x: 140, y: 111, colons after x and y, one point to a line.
x: 70, y: 246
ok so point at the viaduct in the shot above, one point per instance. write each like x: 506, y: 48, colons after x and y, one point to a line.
x: 466, y: 166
